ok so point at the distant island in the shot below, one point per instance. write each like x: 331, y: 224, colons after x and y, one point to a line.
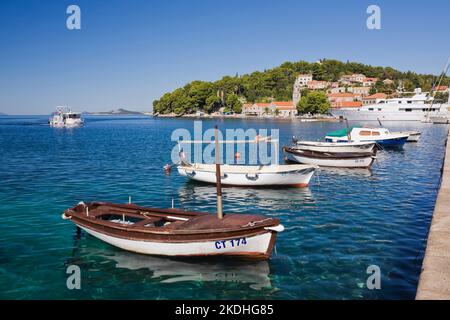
x: 118, y: 112
x: 2, y: 114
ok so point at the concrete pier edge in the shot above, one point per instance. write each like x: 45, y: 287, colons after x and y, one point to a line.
x: 434, y: 282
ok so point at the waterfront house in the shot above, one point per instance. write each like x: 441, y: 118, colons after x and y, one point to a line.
x: 374, y: 98
x: 280, y: 108
x: 286, y: 109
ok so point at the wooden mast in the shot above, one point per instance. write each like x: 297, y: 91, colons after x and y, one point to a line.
x: 218, y: 175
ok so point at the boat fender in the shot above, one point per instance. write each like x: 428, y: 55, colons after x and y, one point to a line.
x: 224, y: 176
x: 278, y: 228
x: 252, y: 177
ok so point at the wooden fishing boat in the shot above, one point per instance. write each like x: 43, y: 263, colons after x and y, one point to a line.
x: 328, y: 159
x: 172, y: 232
x: 342, y: 147
x: 177, y: 233
x: 252, y: 176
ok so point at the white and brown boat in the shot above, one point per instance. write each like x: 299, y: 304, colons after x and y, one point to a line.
x: 177, y: 233
x: 172, y: 232
x: 330, y: 159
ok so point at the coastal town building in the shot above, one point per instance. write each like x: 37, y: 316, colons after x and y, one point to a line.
x: 348, y: 104
x: 336, y: 99
x: 443, y: 89
x: 317, y: 85
x: 283, y: 109
x: 352, y: 78
x: 362, y: 91
x: 303, y: 79
x: 388, y: 82
x: 341, y: 90
x: 374, y: 98
x: 368, y: 82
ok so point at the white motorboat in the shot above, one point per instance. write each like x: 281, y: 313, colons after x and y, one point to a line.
x: 328, y: 159
x: 342, y: 147
x: 381, y: 136
x: 247, y: 175
x: 419, y: 107
x: 65, y: 118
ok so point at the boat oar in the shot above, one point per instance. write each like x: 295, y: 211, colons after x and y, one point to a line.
x: 218, y: 175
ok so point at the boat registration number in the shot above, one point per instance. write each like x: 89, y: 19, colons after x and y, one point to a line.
x: 223, y: 244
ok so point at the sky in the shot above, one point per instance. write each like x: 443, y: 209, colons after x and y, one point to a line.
x: 130, y: 52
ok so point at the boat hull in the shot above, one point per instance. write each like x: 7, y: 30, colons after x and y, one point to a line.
x: 294, y: 178
x: 389, y: 142
x: 256, y: 246
x: 322, y: 161
x: 361, y: 115
x: 352, y: 147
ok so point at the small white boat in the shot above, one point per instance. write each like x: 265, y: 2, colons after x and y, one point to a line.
x: 381, y: 136
x: 328, y: 159
x: 65, y: 118
x: 342, y: 147
x: 413, y: 136
x: 247, y: 175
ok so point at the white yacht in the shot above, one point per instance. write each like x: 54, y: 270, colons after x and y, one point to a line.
x: 65, y: 118
x: 419, y: 107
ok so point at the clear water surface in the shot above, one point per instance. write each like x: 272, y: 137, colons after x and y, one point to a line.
x: 344, y: 222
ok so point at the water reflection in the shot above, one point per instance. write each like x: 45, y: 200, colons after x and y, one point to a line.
x: 255, y: 274
x: 193, y: 193
x: 351, y: 172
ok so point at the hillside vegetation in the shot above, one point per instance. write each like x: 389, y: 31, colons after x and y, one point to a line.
x: 277, y: 84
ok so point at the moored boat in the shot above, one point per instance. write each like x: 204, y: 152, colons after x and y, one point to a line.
x: 380, y: 136
x: 250, y: 176
x: 352, y: 146
x: 172, y: 232
x: 329, y: 159
x: 413, y: 136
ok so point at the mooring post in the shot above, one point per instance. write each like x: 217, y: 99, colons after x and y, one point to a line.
x: 218, y: 175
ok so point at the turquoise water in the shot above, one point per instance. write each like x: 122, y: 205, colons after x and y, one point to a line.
x: 344, y: 222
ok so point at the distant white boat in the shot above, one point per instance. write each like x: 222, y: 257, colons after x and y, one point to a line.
x: 342, y: 147
x: 246, y: 175
x: 65, y: 118
x: 413, y: 136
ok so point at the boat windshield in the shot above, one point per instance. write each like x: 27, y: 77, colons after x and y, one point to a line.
x: 74, y: 116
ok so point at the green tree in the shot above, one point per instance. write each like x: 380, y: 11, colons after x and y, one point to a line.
x: 314, y: 102
x: 213, y: 103
x: 234, y: 103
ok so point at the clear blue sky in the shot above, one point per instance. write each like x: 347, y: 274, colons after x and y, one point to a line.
x: 128, y: 53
